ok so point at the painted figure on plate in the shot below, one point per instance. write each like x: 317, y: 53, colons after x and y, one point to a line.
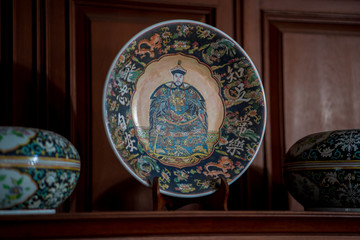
x: 178, y: 120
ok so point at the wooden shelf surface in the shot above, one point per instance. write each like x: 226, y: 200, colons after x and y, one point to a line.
x: 179, y: 223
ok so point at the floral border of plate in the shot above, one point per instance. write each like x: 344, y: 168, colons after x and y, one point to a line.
x: 241, y: 90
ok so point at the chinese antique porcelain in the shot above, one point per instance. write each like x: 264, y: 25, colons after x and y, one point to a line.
x: 183, y: 102
x: 38, y: 168
x: 322, y: 171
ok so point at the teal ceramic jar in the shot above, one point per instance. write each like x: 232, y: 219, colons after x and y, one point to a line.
x: 322, y: 171
x: 39, y: 169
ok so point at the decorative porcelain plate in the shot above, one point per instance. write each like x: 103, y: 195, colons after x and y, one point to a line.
x: 183, y: 101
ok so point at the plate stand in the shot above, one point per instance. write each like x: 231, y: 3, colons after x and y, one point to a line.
x: 215, y: 201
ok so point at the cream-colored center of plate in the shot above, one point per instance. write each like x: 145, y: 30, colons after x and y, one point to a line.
x: 200, y: 77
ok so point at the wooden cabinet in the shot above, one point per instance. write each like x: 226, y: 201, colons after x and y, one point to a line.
x: 55, y: 55
x: 310, y: 59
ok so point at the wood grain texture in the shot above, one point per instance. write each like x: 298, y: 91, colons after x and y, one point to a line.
x: 101, y: 28
x: 310, y: 68
x: 180, y: 224
x: 55, y: 55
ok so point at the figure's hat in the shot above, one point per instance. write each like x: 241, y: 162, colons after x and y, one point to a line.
x: 178, y: 69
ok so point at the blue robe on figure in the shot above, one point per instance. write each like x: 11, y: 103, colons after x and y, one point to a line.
x: 178, y: 123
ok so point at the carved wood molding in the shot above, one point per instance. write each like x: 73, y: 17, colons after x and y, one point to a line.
x: 178, y: 224
x: 275, y: 25
x: 84, y: 15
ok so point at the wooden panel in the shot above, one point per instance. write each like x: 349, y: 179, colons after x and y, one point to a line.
x: 251, y: 42
x: 325, y: 79
x: 55, y: 55
x: 6, y: 62
x: 24, y: 85
x: 101, y: 29
x: 324, y: 76
x: 33, y: 54
x: 312, y: 6
x: 33, y: 65
x: 56, y: 66
x: 183, y: 225
x: 311, y: 65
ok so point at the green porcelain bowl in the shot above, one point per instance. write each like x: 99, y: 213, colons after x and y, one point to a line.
x: 322, y: 171
x: 38, y: 169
